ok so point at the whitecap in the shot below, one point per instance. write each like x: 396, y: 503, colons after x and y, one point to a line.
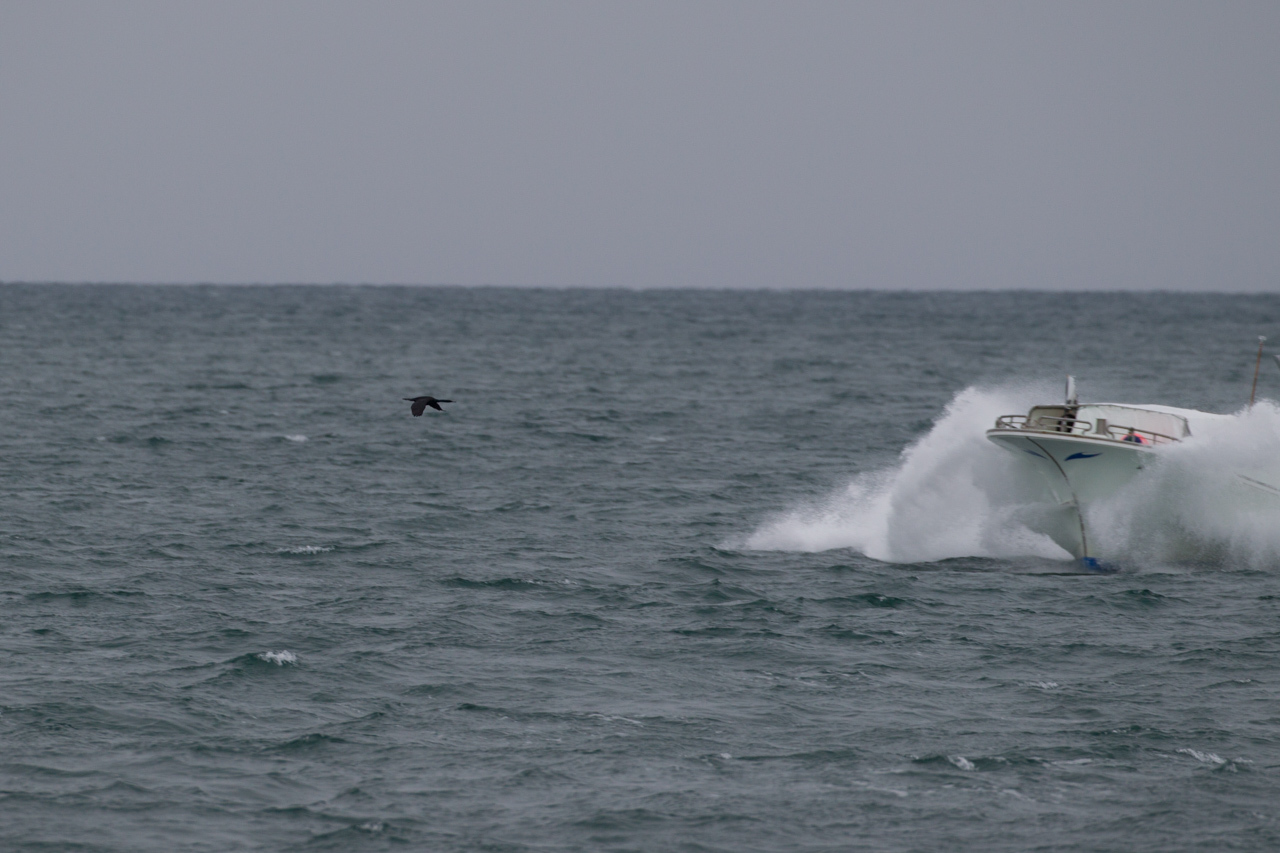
x: 1204, y: 757
x: 298, y: 438
x: 279, y: 658
x: 961, y: 762
x: 615, y: 718
x: 305, y: 549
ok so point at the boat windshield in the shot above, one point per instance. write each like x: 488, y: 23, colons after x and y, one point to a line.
x: 1143, y: 420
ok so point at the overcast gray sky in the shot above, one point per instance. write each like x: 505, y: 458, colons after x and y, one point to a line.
x: 935, y: 145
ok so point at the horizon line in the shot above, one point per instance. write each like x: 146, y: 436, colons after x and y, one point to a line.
x: 641, y: 288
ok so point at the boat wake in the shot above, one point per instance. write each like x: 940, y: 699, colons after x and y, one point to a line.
x: 954, y: 494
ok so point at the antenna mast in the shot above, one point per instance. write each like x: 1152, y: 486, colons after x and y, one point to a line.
x: 1257, y: 364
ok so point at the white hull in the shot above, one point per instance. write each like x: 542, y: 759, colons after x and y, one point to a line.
x: 1076, y: 471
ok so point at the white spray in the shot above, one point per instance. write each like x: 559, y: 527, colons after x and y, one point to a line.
x: 952, y: 494
x: 1213, y: 498
x: 955, y: 494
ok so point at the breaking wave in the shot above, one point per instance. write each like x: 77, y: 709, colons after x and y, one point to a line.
x: 279, y: 658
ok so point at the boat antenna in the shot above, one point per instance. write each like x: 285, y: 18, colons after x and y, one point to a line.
x: 1072, y: 398
x: 1256, y: 365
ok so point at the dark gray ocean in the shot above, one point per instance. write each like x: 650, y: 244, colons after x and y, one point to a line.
x: 675, y: 571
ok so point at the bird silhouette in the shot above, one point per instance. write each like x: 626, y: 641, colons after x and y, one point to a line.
x: 420, y: 404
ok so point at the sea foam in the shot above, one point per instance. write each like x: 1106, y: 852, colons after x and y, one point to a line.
x: 1204, y: 757
x: 279, y: 658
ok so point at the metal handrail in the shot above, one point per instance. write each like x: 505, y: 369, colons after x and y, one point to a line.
x: 1045, y: 422
x: 1073, y: 426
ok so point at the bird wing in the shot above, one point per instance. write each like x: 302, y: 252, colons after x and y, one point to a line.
x: 435, y: 405
x: 418, y: 407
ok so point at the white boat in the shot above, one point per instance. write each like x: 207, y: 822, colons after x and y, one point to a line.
x: 1087, y: 452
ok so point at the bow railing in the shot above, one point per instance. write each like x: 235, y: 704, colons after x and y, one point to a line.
x: 1074, y: 426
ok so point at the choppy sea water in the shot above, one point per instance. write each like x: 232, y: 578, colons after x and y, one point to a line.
x: 695, y: 571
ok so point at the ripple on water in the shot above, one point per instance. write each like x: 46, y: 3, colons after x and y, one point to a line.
x: 481, y: 631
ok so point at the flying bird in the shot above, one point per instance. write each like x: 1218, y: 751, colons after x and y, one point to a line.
x: 420, y: 404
